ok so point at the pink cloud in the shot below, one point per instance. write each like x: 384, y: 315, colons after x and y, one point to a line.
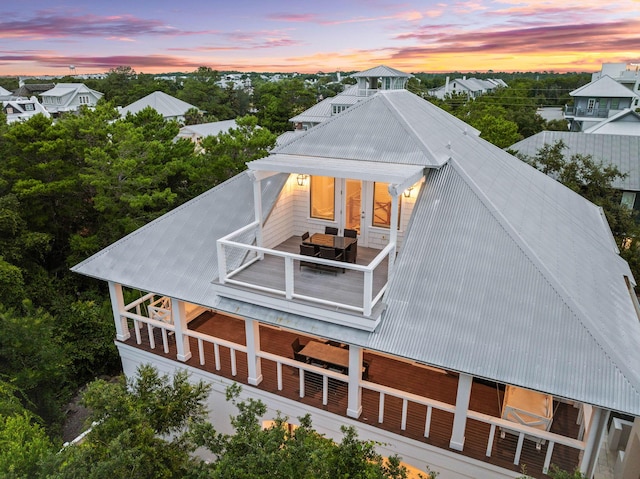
x: 294, y: 17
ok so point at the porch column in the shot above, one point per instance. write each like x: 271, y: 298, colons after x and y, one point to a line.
x: 180, y: 326
x: 252, y: 332
x: 354, y: 403
x: 596, y: 430
x: 460, y: 416
x: 257, y: 207
x: 117, y: 305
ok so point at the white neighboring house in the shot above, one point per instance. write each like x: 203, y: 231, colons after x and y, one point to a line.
x: 4, y: 92
x: 66, y: 97
x: 471, y: 87
x: 613, y: 92
x: 169, y: 107
x: 21, y: 109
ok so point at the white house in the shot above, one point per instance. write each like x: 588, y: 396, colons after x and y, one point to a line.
x: 612, y: 93
x: 481, y: 320
x: 196, y: 133
x: 471, y: 87
x: 21, y: 109
x: 169, y: 107
x: 66, y: 97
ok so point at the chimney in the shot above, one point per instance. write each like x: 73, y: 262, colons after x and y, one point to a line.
x: 446, y: 86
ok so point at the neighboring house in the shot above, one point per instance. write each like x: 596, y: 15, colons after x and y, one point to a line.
x: 625, y: 122
x: 621, y: 151
x: 495, y: 328
x: 168, y: 106
x: 597, y: 101
x: 21, y: 109
x: 27, y: 90
x: 471, y: 87
x: 371, y: 81
x: 66, y: 97
x: 4, y: 92
x: 196, y: 133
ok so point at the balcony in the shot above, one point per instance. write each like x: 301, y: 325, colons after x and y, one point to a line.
x: 272, y: 277
x: 572, y: 111
x: 407, y: 399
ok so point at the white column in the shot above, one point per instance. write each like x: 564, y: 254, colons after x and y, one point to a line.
x: 596, y: 430
x: 460, y: 416
x: 393, y: 226
x: 180, y: 326
x: 252, y: 332
x: 117, y: 305
x: 257, y: 206
x: 354, y: 403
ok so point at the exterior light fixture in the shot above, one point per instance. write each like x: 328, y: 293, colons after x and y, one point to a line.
x: 302, y: 179
x: 407, y: 192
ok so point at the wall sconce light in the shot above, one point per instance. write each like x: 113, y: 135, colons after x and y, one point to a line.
x: 407, y: 192
x: 302, y: 179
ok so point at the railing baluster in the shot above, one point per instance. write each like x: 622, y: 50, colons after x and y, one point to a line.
x: 201, y: 351
x: 136, y: 328
x: 288, y: 277
x: 216, y: 356
x: 381, y: 409
x: 367, y: 293
x: 405, y: 405
x: 165, y: 340
x: 547, y: 457
x: 234, y: 371
x: 279, y: 372
x: 427, y: 422
x: 325, y: 389
x: 516, y: 459
x: 152, y: 339
x: 492, y: 433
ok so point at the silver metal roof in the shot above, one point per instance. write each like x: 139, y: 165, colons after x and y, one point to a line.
x: 605, y: 87
x: 381, y: 71
x: 504, y: 273
x: 622, y: 151
x: 323, y: 109
x: 167, y: 105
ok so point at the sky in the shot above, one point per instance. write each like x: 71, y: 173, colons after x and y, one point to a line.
x: 50, y: 37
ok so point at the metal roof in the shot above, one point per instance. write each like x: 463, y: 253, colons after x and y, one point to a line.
x: 381, y: 71
x: 504, y: 273
x: 605, y: 87
x: 323, y: 109
x: 164, y: 104
x: 339, y: 168
x: 622, y: 151
x: 625, y: 122
x: 208, y: 129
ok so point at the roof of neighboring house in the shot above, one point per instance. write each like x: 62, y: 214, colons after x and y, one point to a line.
x: 323, y: 109
x: 29, y: 89
x: 625, y: 122
x: 4, y: 92
x: 62, y: 89
x: 622, y: 151
x: 504, y: 273
x: 167, y: 105
x: 381, y: 71
x: 207, y: 129
x: 604, y: 87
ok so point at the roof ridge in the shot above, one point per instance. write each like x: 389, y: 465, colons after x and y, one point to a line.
x: 563, y: 293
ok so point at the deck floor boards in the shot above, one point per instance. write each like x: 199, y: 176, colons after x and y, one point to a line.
x: 485, y: 398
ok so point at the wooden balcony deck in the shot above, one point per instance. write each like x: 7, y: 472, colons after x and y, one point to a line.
x: 485, y: 397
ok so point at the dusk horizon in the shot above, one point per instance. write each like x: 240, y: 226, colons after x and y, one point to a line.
x: 250, y: 36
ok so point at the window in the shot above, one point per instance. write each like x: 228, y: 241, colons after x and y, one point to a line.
x: 382, y: 206
x: 615, y: 103
x: 29, y: 107
x: 628, y: 199
x: 590, y: 104
x: 83, y: 99
x: 338, y: 109
x: 323, y: 197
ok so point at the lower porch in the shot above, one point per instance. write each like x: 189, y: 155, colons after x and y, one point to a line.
x: 407, y: 399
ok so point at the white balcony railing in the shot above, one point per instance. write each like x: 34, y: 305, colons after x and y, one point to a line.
x: 248, y: 254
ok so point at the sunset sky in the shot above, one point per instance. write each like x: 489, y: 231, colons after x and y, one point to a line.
x: 46, y: 37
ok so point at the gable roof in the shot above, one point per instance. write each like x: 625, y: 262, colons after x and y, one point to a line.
x: 167, y: 105
x: 625, y: 122
x: 28, y: 89
x: 504, y: 273
x: 207, y: 129
x: 622, y: 151
x: 323, y: 109
x: 604, y: 87
x: 62, y: 89
x: 4, y: 92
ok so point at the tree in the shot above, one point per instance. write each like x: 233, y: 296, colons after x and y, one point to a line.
x: 140, y: 428
x: 277, y: 102
x: 24, y: 445
x: 280, y: 451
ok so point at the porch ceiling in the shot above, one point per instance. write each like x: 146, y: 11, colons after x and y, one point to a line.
x: 394, y: 173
